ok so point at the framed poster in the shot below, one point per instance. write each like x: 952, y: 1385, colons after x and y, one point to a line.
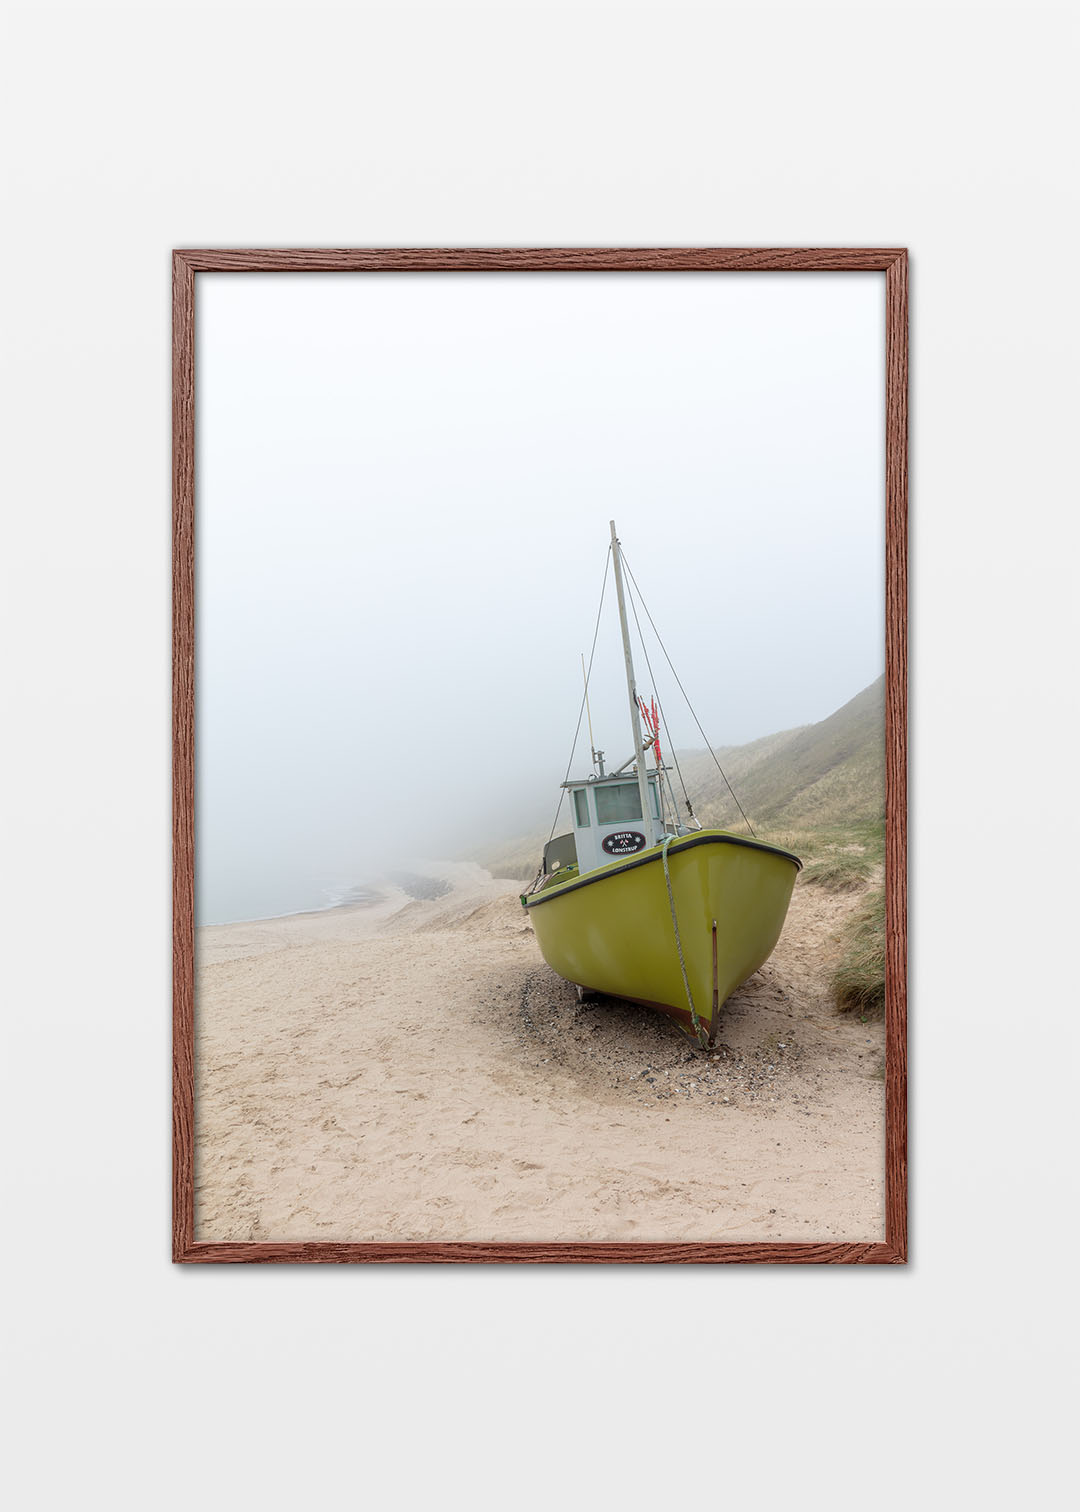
x: 465, y: 539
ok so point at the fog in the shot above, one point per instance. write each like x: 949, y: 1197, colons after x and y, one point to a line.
x: 404, y: 483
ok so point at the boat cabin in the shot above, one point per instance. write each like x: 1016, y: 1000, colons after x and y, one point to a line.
x: 608, y: 822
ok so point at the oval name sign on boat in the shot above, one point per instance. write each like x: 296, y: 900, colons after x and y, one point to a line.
x: 623, y: 842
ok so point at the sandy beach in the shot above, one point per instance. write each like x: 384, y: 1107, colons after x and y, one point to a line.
x: 410, y: 1069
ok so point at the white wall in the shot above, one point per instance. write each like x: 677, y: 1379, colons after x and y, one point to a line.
x: 133, y: 128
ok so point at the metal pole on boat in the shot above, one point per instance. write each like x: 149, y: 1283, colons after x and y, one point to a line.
x: 631, y: 686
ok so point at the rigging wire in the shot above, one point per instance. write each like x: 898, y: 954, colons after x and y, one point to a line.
x: 585, y: 695
x: 667, y: 732
x: 689, y: 705
x: 663, y: 719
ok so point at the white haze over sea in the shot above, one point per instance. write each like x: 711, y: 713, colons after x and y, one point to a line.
x: 404, y: 483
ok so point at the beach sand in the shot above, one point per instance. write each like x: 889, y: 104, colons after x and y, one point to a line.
x: 412, y: 1070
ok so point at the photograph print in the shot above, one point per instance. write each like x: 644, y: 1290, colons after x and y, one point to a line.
x: 539, y: 756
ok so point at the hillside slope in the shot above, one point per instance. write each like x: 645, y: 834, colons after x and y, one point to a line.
x: 818, y: 776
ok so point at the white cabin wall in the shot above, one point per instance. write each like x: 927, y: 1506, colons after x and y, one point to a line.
x: 589, y: 839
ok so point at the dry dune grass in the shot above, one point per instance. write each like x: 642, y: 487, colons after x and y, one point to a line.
x: 859, y: 978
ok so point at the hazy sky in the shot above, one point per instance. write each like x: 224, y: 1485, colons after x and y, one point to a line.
x: 403, y: 493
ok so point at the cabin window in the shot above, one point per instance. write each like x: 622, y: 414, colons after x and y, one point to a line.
x: 581, y: 808
x: 654, y: 789
x: 618, y: 804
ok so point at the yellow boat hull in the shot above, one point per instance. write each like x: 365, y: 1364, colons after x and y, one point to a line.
x: 613, y: 931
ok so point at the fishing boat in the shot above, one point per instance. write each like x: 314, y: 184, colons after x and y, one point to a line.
x: 634, y: 901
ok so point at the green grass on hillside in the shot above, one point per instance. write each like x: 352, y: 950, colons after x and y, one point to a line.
x: 830, y: 773
x: 844, y: 871
x: 859, y: 980
x: 843, y: 859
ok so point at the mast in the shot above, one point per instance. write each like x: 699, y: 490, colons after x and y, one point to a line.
x: 631, y: 688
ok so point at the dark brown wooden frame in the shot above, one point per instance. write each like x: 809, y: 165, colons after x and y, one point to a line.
x: 893, y: 263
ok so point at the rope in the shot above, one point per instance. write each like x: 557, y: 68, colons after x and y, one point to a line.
x: 584, y: 696
x: 700, y: 1034
x: 689, y: 705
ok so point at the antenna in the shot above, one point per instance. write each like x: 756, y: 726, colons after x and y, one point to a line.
x: 597, y: 756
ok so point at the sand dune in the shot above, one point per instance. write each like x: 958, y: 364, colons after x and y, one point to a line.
x: 411, y: 1069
